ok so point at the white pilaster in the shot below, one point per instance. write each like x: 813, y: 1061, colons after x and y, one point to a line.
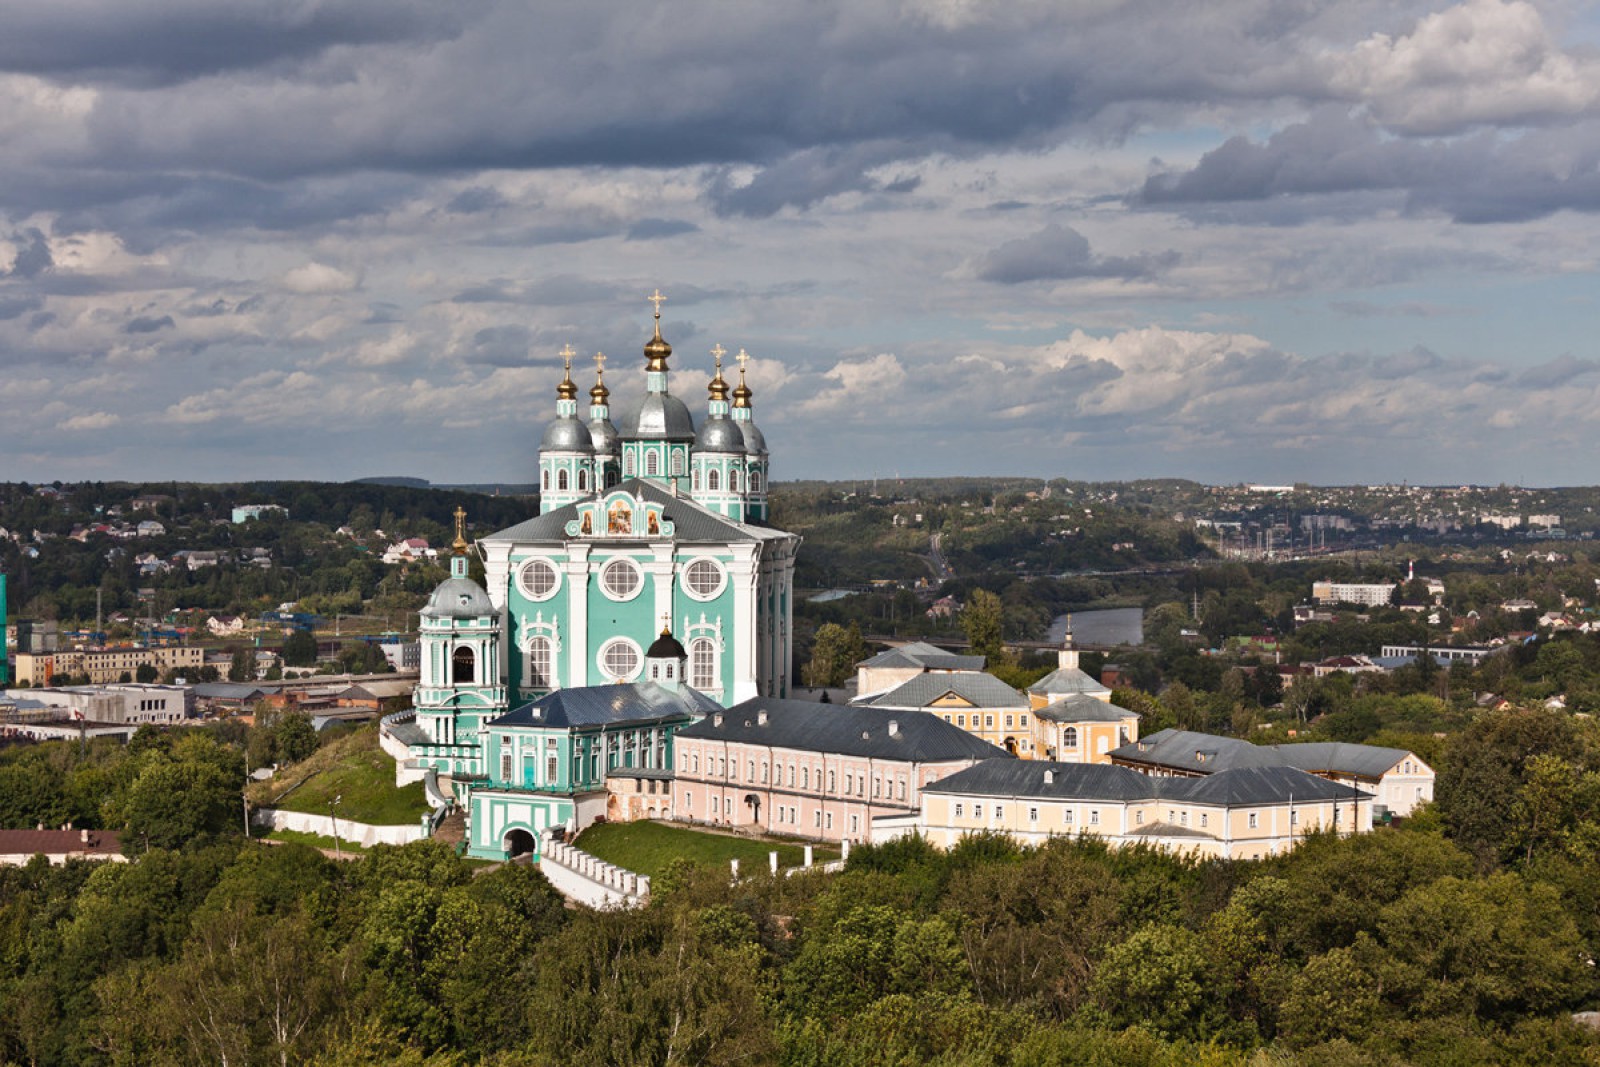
x: 743, y: 575
x: 578, y: 614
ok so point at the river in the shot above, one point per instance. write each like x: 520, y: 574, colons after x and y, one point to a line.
x: 1112, y: 626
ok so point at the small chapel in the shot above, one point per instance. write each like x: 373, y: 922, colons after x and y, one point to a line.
x: 646, y: 593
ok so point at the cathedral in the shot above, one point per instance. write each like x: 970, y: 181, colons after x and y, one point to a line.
x: 647, y: 591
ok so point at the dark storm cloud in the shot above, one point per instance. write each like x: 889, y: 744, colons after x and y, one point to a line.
x: 1058, y: 253
x: 147, y: 44
x: 14, y: 307
x: 1477, y: 179
x: 33, y: 255
x: 148, y: 324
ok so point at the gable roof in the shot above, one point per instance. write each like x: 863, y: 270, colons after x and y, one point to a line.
x: 844, y: 730
x: 692, y: 523
x: 608, y: 705
x: 976, y: 688
x: 1240, y: 787
x: 1081, y: 707
x: 1067, y: 680
x: 1206, y: 753
x: 920, y: 654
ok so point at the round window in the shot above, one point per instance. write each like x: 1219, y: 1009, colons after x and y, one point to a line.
x: 538, y: 579
x: 703, y: 579
x: 620, y: 658
x: 621, y: 579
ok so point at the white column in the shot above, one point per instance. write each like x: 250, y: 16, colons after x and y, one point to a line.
x: 577, y: 635
x: 742, y: 573
x: 660, y: 569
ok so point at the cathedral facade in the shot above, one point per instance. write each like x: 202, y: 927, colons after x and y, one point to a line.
x: 649, y: 571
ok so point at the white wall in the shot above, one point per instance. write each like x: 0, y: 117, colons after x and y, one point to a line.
x: 358, y: 833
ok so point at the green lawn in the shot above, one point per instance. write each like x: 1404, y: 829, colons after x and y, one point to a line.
x: 361, y: 774
x: 647, y: 848
x: 315, y: 841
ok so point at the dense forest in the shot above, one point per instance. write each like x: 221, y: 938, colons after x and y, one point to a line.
x: 1467, y: 936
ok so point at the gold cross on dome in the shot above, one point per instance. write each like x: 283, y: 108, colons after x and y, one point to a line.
x: 666, y: 622
x: 600, y: 363
x: 743, y: 357
x: 657, y: 299
x: 566, y: 355
x: 461, y: 527
x: 719, y: 352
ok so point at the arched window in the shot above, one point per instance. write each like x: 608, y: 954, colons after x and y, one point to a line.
x: 733, y: 480
x: 462, y: 666
x: 694, y: 481
x: 1069, y: 737
x: 677, y: 463
x: 547, y: 481
x: 561, y: 481
x: 612, y: 477
x: 713, y: 483
x: 755, y: 481
x: 627, y: 464
x: 1122, y: 736
x: 652, y: 464
x: 583, y: 480
x: 703, y: 664
x: 541, y: 664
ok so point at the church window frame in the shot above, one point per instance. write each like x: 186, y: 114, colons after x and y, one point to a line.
x: 704, y: 578
x: 694, y: 480
x: 733, y: 480
x: 713, y: 481
x: 539, y: 663
x: 628, y: 464
x: 539, y: 579
x: 620, y: 658
x: 678, y: 463
x: 652, y: 464
x: 561, y: 481
x: 583, y: 480
x: 704, y: 672
x: 463, y: 665
x: 546, y: 479
x: 755, y: 481
x: 1069, y: 737
x: 621, y: 579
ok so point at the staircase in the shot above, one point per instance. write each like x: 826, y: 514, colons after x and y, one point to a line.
x: 452, y: 829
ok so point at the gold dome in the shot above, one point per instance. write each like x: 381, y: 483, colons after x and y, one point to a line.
x: 568, y: 389
x: 599, y: 393
x: 656, y: 350
x: 741, y: 392
x: 718, y: 386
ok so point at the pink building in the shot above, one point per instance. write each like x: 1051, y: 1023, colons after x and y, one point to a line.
x: 814, y: 770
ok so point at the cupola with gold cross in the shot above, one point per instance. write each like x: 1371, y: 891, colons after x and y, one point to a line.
x: 607, y: 442
x: 657, y: 430
x: 566, y: 453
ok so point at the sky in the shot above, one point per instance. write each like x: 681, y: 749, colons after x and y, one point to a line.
x: 1330, y: 241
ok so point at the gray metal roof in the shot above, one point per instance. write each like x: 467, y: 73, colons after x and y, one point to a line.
x: 607, y: 442
x: 610, y: 705
x: 926, y: 656
x: 976, y: 688
x: 657, y: 416
x: 409, y: 734
x: 719, y: 434
x: 919, y: 736
x: 1162, y: 828
x: 1067, y: 680
x: 694, y: 524
x: 1081, y: 707
x: 755, y: 442
x: 459, y: 598
x: 1238, y: 788
x: 229, y: 690
x: 565, y: 433
x: 1027, y: 778
x: 1207, y: 753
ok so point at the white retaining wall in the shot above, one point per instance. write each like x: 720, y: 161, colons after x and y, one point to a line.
x: 583, y: 878
x: 358, y: 833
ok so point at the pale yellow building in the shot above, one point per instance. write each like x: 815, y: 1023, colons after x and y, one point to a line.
x: 1247, y: 813
x: 1081, y: 728
x: 978, y: 703
x: 104, y: 666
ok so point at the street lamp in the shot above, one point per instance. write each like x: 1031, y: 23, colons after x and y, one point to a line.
x: 338, y: 851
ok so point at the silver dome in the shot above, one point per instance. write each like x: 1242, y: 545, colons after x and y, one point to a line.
x: 719, y: 434
x: 459, y: 598
x: 565, y: 433
x: 754, y: 442
x: 657, y: 415
x: 605, y: 437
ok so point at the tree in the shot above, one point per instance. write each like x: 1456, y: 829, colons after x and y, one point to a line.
x: 982, y: 619
x: 243, y: 666
x: 147, y: 672
x: 834, y: 654
x: 294, y: 738
x: 300, y: 649
x: 174, y: 804
x: 1155, y: 978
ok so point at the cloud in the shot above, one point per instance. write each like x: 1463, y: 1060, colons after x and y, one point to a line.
x: 653, y: 229
x: 32, y: 256
x: 148, y: 324
x: 1059, y: 253
x: 95, y: 420
x: 318, y: 278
